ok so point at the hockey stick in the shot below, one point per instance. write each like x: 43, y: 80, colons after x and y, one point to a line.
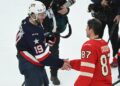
x: 112, y: 31
x: 115, y: 83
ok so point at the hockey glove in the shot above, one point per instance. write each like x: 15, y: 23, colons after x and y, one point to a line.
x: 51, y: 39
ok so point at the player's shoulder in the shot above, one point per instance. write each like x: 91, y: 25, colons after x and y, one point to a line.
x: 94, y: 43
x: 25, y: 25
x: 25, y: 22
x: 89, y: 43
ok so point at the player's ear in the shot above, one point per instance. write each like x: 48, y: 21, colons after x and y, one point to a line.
x: 91, y: 30
x: 32, y: 15
x: 88, y: 27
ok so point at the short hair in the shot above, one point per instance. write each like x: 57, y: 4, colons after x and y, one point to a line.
x: 96, y: 25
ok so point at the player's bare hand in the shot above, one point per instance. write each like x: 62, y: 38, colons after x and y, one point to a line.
x: 104, y: 3
x: 66, y: 65
x: 63, y: 10
x: 117, y: 19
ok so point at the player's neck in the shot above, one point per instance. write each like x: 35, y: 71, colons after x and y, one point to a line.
x: 94, y: 37
x: 32, y: 22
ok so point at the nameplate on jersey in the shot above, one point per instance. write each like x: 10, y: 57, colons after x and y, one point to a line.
x: 35, y: 34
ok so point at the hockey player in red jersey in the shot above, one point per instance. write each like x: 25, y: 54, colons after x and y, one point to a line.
x: 94, y: 65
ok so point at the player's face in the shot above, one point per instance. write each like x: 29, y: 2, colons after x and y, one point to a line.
x: 41, y: 17
x: 88, y: 31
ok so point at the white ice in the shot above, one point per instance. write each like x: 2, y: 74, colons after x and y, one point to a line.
x: 11, y: 14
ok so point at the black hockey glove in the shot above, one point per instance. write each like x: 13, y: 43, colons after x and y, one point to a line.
x: 50, y: 39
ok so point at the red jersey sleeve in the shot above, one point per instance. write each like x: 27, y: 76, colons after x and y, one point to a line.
x: 88, y: 61
x: 75, y: 64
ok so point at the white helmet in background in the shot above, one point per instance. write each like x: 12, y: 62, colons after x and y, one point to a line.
x: 36, y: 7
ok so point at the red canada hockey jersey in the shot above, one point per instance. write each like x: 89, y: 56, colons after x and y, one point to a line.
x: 94, y: 65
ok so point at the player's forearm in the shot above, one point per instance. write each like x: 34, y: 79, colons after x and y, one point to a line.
x: 75, y: 64
x: 48, y: 61
x: 69, y: 3
x: 53, y: 61
x: 86, y: 73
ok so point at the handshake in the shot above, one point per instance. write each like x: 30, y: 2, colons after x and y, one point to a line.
x: 73, y: 64
x: 66, y: 65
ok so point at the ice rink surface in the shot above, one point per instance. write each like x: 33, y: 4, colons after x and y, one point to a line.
x: 11, y: 14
